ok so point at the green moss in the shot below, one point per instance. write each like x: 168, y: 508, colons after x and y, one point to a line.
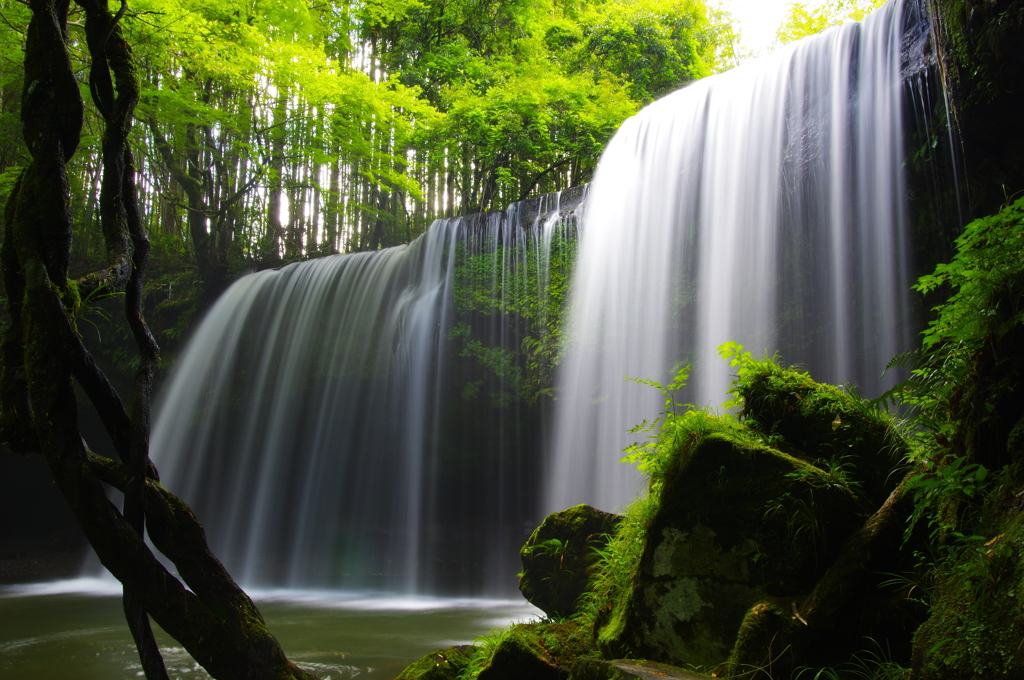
x: 446, y: 664
x: 617, y: 565
x: 759, y: 651
x: 71, y: 298
x: 835, y: 428
x: 729, y: 521
x: 977, y: 619
x: 558, y: 555
x: 528, y: 650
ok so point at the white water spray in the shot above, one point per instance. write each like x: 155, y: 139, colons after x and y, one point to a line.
x: 763, y: 206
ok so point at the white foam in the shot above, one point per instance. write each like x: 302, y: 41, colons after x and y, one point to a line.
x: 370, y: 601
x: 85, y: 585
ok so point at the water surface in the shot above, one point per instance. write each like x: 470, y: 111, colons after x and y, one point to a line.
x: 76, y: 629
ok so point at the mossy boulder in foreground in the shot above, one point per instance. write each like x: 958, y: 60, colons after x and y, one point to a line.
x: 737, y: 522
x: 558, y: 555
x: 541, y: 651
x: 824, y: 424
x: 446, y: 664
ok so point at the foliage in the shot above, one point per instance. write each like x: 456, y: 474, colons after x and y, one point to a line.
x: 651, y: 45
x: 644, y: 455
x: 532, y: 90
x: 519, y: 288
x: 987, y: 276
x: 269, y: 132
x: 961, y: 377
x: 964, y: 391
x: 802, y: 21
x: 619, y: 561
x: 873, y: 663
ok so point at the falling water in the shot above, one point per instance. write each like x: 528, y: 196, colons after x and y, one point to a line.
x: 308, y: 425
x: 763, y: 206
x: 376, y: 420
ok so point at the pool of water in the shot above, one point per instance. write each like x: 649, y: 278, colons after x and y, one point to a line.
x: 76, y: 629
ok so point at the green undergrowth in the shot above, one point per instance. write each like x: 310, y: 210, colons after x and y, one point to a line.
x: 873, y: 663
x: 967, y: 484
x: 964, y: 384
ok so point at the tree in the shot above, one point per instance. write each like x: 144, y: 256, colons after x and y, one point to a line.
x: 802, y: 21
x: 43, y: 355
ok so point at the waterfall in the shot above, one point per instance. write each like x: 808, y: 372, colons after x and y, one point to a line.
x: 345, y: 421
x: 763, y: 206
x: 379, y: 421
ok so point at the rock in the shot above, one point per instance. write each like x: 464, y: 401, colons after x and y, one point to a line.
x: 537, y: 651
x: 825, y: 424
x: 628, y: 669
x: 446, y: 664
x: 557, y: 556
x: 517, y: 657
x: 737, y: 522
x: 849, y: 606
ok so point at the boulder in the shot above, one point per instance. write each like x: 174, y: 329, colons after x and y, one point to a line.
x: 558, y: 555
x: 539, y: 651
x: 824, y: 424
x: 736, y: 522
x: 446, y: 664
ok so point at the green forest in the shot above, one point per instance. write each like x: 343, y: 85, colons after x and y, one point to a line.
x: 152, y: 152
x: 267, y: 133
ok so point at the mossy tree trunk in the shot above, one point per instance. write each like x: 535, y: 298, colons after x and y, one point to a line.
x: 43, y: 355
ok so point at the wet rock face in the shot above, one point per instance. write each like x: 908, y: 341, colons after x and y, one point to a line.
x: 558, y: 554
x: 739, y: 522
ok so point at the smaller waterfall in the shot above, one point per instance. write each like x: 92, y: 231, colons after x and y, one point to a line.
x: 763, y: 206
x: 365, y: 420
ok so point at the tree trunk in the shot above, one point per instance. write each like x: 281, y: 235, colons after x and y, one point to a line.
x: 213, y: 618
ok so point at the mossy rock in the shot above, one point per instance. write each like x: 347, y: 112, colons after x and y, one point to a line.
x: 536, y: 651
x: 851, y: 604
x: 557, y: 556
x: 977, y: 617
x: 629, y: 669
x: 737, y: 522
x: 824, y: 424
x: 765, y: 640
x: 446, y: 664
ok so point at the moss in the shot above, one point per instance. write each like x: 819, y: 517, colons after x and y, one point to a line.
x: 530, y: 650
x: 71, y: 298
x: 616, y: 570
x: 730, y: 521
x: 446, y: 664
x: 832, y: 427
x: 977, y: 619
x: 558, y: 555
x: 761, y: 650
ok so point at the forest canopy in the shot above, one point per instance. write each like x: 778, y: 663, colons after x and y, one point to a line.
x: 268, y: 132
